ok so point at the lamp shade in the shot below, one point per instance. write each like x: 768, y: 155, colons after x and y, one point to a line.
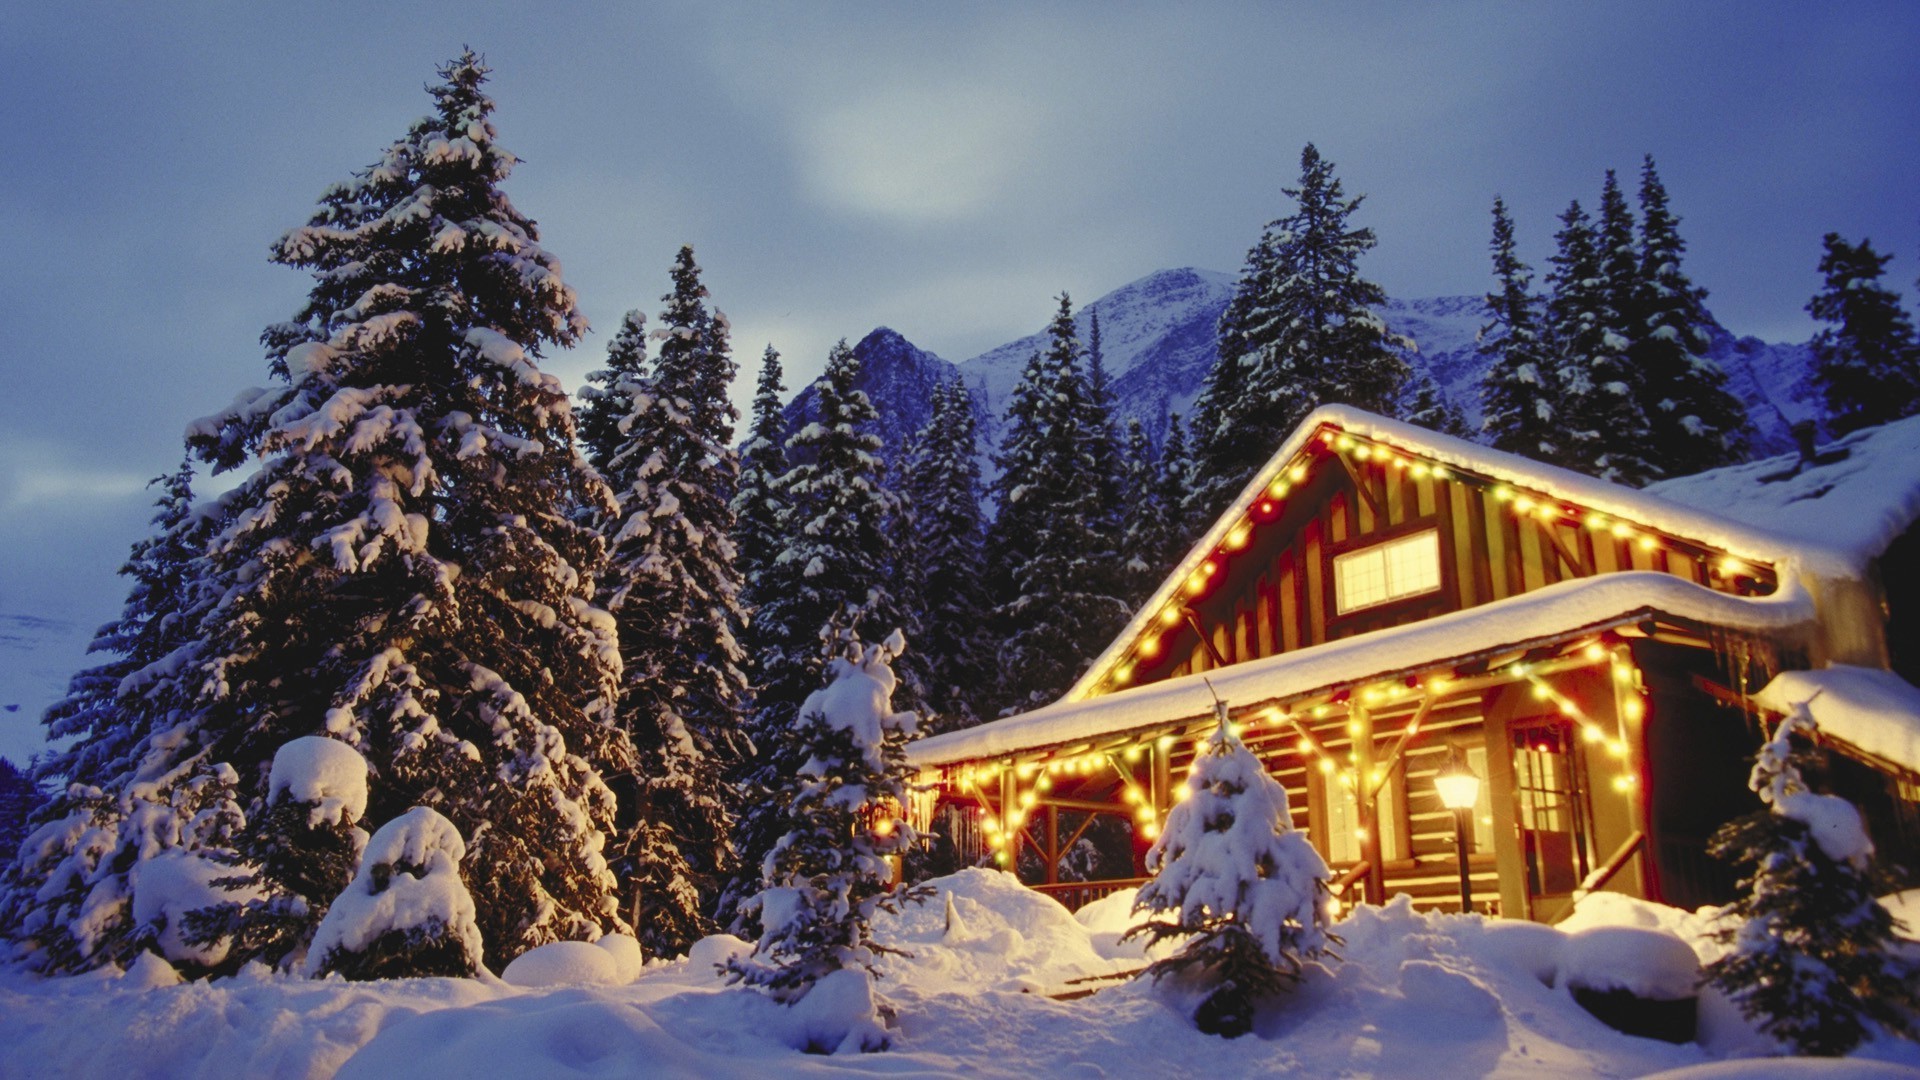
x: 1458, y: 786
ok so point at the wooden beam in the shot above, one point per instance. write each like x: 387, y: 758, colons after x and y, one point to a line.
x: 1552, y: 536
x: 1360, y: 485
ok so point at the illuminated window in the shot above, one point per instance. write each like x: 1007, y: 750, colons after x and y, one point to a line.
x: 1399, y: 568
x: 1343, y: 823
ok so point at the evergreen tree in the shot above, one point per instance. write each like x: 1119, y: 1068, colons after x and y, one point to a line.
x: 1144, y: 540
x: 406, y: 913
x: 1299, y: 332
x: 1422, y: 403
x: 293, y: 858
x: 1866, y: 362
x: 674, y: 593
x: 608, y: 392
x: 842, y: 818
x: 943, y: 484
x: 401, y: 571
x: 1175, y: 480
x: 20, y: 799
x: 1812, y: 954
x: 1694, y: 422
x: 1054, y: 533
x: 757, y: 507
x: 1247, y: 890
x: 1604, y: 429
x: 830, y: 578
x: 133, y: 780
x: 1519, y: 399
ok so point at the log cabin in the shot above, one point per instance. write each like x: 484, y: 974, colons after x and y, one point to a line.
x: 1381, y: 600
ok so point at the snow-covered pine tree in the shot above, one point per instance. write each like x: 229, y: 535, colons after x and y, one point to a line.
x: 1144, y: 537
x: 942, y: 481
x: 1694, y: 422
x: 1299, y: 332
x: 1602, y: 427
x: 1866, y: 361
x: 758, y: 509
x: 1175, y: 478
x: 1246, y: 889
x: 831, y: 577
x: 608, y: 392
x: 132, y: 780
x: 307, y: 842
x: 1054, y: 533
x: 1422, y: 403
x: 401, y: 571
x: 842, y: 817
x: 1519, y: 397
x: 1812, y: 955
x: 674, y: 592
x: 406, y: 913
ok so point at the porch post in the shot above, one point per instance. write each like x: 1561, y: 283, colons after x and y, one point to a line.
x: 1510, y: 860
x: 1360, y: 727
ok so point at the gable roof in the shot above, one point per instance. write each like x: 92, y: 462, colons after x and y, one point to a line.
x: 1532, y: 478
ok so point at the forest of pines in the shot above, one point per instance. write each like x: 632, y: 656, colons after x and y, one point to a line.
x: 630, y: 670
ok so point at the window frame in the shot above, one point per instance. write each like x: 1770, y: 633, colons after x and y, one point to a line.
x: 1411, y: 532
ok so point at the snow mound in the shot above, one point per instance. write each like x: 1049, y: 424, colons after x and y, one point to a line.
x: 1776, y: 1068
x: 715, y: 951
x: 327, y: 772
x: 1006, y: 937
x: 627, y: 958
x: 552, y: 1035
x: 1439, y: 990
x: 1107, y: 921
x: 839, y: 1015
x: 1646, y: 963
x: 563, y: 963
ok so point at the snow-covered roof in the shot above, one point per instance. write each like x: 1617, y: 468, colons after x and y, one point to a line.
x: 1808, y: 550
x: 1876, y: 711
x: 1545, y: 614
x: 1861, y: 494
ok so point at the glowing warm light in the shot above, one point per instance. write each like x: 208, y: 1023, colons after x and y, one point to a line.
x: 1237, y: 539
x: 1165, y: 742
x: 1149, y: 830
x: 1028, y: 798
x: 1731, y: 566
x: 883, y: 827
x: 1277, y: 489
x: 1362, y: 453
x: 1523, y: 504
x: 1133, y: 753
x: 1420, y: 468
x: 1596, y: 521
x: 1123, y: 674
x: 1595, y: 652
x: 1266, y: 508
x: 1170, y: 616
x: 1440, y: 473
x: 1304, y: 746
x: 1344, y: 442
x: 1635, y: 708
x: 1150, y: 647
x: 1622, y: 530
x: 1326, y: 766
x: 1502, y: 493
x: 1297, y: 473
x: 1197, y: 584
x: 1210, y: 567
x: 1648, y: 543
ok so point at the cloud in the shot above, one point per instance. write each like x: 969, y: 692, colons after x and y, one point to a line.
x: 35, y: 474
x: 920, y: 153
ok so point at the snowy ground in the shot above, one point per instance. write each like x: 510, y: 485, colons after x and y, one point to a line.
x: 1425, y: 996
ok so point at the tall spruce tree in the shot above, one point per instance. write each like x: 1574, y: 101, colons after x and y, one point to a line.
x: 1054, y: 535
x: 1175, y: 479
x: 674, y: 592
x: 830, y: 579
x: 1865, y: 361
x: 757, y: 505
x: 133, y: 780
x: 1694, y: 423
x: 401, y: 570
x: 607, y: 392
x: 1605, y: 430
x: 1519, y: 399
x: 1422, y: 402
x: 1143, y: 540
x: 942, y: 481
x: 1300, y: 332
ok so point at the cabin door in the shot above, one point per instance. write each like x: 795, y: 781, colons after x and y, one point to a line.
x: 1550, y: 790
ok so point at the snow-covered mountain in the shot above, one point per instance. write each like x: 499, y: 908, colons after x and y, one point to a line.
x: 1157, y: 338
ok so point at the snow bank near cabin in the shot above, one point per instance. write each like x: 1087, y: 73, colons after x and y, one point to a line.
x: 1877, y: 711
x: 1426, y: 996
